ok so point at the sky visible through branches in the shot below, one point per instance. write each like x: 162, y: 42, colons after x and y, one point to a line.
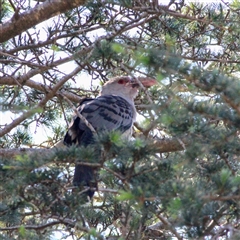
x: 41, y: 133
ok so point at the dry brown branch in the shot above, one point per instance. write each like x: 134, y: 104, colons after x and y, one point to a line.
x: 222, y: 198
x: 161, y: 146
x: 171, y: 145
x: 49, y: 95
x: 34, y: 16
x: 35, y: 227
x: 59, y: 220
x: 9, y: 80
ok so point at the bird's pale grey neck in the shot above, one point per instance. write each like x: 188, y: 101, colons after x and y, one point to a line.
x: 129, y: 99
x: 125, y: 95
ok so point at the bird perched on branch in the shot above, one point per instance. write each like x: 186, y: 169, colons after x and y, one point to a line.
x: 112, y: 110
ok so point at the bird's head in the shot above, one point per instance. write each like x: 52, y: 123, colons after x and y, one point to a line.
x: 126, y: 86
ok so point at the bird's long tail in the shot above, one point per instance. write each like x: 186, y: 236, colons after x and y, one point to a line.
x: 85, y: 176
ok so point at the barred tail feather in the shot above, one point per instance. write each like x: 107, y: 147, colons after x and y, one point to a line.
x: 84, y: 176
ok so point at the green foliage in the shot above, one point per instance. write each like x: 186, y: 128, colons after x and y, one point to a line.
x: 5, y: 10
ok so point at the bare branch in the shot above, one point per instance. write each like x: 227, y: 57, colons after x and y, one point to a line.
x: 49, y: 95
x: 36, y: 15
x: 221, y: 198
x: 35, y: 227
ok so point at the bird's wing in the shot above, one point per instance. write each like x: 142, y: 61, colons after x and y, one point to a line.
x: 105, y: 113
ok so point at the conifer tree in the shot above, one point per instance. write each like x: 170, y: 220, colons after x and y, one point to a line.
x: 178, y: 177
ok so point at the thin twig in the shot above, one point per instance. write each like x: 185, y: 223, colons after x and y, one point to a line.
x: 49, y: 95
x: 169, y: 226
x: 88, y: 124
x: 221, y: 198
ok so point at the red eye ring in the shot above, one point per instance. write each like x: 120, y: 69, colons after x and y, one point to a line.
x: 122, y: 81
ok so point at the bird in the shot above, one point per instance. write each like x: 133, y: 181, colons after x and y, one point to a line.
x: 112, y: 110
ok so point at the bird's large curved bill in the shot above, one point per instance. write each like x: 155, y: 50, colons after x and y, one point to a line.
x: 147, y: 82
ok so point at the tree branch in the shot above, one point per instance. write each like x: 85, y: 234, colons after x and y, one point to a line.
x: 49, y: 95
x: 38, y: 14
x: 162, y: 146
x: 170, y: 145
x: 169, y: 226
